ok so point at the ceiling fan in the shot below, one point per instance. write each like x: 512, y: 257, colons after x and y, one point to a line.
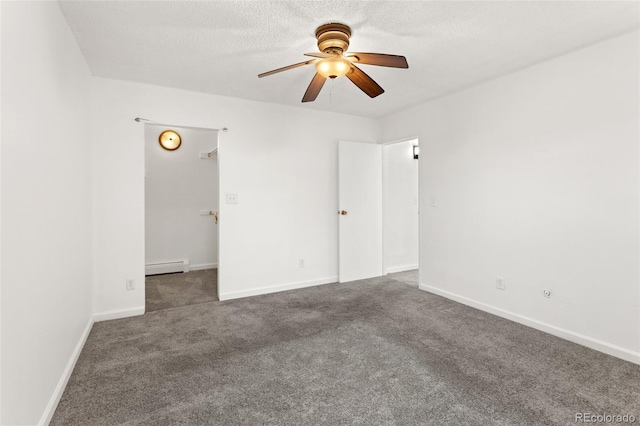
x: 332, y: 62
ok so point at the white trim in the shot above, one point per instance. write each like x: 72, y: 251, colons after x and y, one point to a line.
x: 277, y: 288
x: 66, y: 375
x: 401, y: 140
x: 394, y: 269
x: 117, y: 314
x: 571, y: 336
x: 202, y: 266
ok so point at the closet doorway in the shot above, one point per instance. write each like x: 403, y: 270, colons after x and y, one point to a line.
x: 181, y: 216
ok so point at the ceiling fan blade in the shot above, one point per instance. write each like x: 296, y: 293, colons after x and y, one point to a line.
x: 290, y: 67
x: 381, y: 59
x: 314, y: 88
x: 364, y: 82
x: 320, y: 55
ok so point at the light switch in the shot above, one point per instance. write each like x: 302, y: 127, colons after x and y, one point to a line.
x: 232, y: 198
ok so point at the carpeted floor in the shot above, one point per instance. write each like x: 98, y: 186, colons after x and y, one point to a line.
x: 370, y: 352
x: 174, y: 290
x: 406, y: 277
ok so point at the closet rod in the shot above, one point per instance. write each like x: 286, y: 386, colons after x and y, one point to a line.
x: 146, y: 120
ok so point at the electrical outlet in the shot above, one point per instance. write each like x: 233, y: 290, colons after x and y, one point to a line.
x: 500, y: 283
x: 130, y: 284
x: 434, y: 201
x: 546, y: 293
x: 301, y: 263
x: 232, y: 198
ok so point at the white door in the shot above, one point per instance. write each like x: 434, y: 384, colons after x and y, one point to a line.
x: 360, y: 210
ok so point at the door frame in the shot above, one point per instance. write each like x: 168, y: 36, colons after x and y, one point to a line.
x: 385, y: 204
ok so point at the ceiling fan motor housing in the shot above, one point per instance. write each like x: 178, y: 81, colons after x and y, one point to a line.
x: 333, y: 38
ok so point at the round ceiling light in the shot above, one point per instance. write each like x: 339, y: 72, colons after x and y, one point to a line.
x: 170, y: 140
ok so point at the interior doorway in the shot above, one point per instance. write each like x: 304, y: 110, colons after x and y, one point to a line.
x: 401, y: 211
x: 181, y: 216
x: 378, y: 208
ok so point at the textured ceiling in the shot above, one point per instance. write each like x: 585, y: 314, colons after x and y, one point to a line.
x: 220, y: 47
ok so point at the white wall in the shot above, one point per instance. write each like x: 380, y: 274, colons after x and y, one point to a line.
x: 536, y: 175
x: 46, y: 208
x: 178, y: 185
x: 400, y: 187
x: 281, y: 161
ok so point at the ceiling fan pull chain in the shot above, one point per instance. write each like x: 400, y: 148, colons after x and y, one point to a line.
x: 331, y: 93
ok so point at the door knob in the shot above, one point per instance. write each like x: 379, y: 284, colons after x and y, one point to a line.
x: 343, y: 212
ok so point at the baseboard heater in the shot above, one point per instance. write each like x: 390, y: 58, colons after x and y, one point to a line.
x: 166, y: 267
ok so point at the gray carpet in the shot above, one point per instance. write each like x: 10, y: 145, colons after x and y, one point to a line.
x: 406, y: 277
x: 371, y: 352
x: 174, y: 290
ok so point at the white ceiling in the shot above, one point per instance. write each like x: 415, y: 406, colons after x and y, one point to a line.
x: 220, y: 47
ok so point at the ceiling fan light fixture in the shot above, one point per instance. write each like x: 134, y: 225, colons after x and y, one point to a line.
x: 333, y: 67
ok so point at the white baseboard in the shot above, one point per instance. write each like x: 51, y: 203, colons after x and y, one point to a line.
x: 571, y: 336
x: 202, y: 266
x: 120, y: 313
x: 277, y: 288
x: 394, y: 269
x: 66, y: 374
